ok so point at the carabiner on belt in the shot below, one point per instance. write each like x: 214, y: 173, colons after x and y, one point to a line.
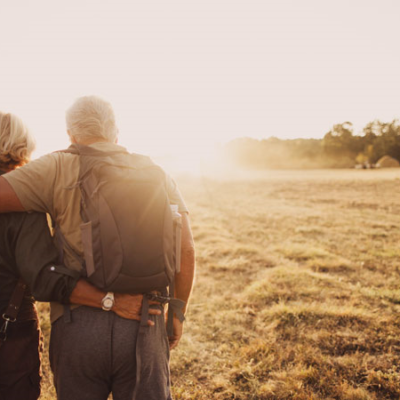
x: 3, y: 329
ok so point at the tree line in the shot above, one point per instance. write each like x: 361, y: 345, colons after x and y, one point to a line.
x: 339, y: 148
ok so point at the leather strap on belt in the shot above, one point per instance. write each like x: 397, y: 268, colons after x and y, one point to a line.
x: 12, y: 310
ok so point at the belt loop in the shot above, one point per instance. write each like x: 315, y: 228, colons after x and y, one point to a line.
x: 67, y: 314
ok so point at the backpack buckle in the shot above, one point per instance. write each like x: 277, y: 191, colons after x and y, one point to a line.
x: 4, y: 327
x: 157, y: 297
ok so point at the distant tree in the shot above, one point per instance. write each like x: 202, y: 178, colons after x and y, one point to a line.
x: 341, y: 146
x: 371, y: 131
x: 387, y: 141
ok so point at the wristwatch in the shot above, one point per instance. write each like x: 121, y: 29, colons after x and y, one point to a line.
x: 108, y: 301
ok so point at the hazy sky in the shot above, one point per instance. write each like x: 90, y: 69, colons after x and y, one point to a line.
x: 187, y: 74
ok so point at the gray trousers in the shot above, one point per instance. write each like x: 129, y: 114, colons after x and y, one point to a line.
x: 96, y: 353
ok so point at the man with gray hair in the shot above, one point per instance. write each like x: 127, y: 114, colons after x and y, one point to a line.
x: 93, y: 352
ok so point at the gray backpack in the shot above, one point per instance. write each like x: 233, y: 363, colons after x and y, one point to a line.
x: 130, y: 234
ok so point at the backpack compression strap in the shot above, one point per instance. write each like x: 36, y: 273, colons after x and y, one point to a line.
x: 175, y: 306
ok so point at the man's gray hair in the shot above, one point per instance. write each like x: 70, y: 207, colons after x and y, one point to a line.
x: 91, y: 117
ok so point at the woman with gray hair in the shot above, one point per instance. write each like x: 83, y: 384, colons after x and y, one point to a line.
x: 19, y: 332
x: 27, y: 250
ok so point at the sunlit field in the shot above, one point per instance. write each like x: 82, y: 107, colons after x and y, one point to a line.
x: 298, y: 288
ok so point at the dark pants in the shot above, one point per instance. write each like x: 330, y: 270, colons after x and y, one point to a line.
x: 20, y: 362
x: 97, y: 353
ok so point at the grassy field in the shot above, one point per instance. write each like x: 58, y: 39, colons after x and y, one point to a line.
x: 298, y: 288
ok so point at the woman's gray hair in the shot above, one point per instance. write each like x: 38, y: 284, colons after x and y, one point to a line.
x: 16, y: 142
x: 91, y: 117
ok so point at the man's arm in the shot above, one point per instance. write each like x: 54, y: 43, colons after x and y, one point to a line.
x: 125, y: 305
x: 184, y: 280
x: 8, y: 198
x: 36, y: 260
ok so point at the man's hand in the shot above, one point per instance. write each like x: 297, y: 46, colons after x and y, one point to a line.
x: 177, y: 333
x: 129, y: 306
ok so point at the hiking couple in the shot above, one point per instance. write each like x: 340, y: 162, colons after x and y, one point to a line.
x: 119, y: 245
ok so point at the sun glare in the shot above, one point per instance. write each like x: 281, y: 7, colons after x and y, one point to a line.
x: 191, y: 162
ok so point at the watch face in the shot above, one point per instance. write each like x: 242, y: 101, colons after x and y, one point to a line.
x: 108, y: 303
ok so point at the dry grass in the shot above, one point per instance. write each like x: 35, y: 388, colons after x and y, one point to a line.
x: 298, y: 290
